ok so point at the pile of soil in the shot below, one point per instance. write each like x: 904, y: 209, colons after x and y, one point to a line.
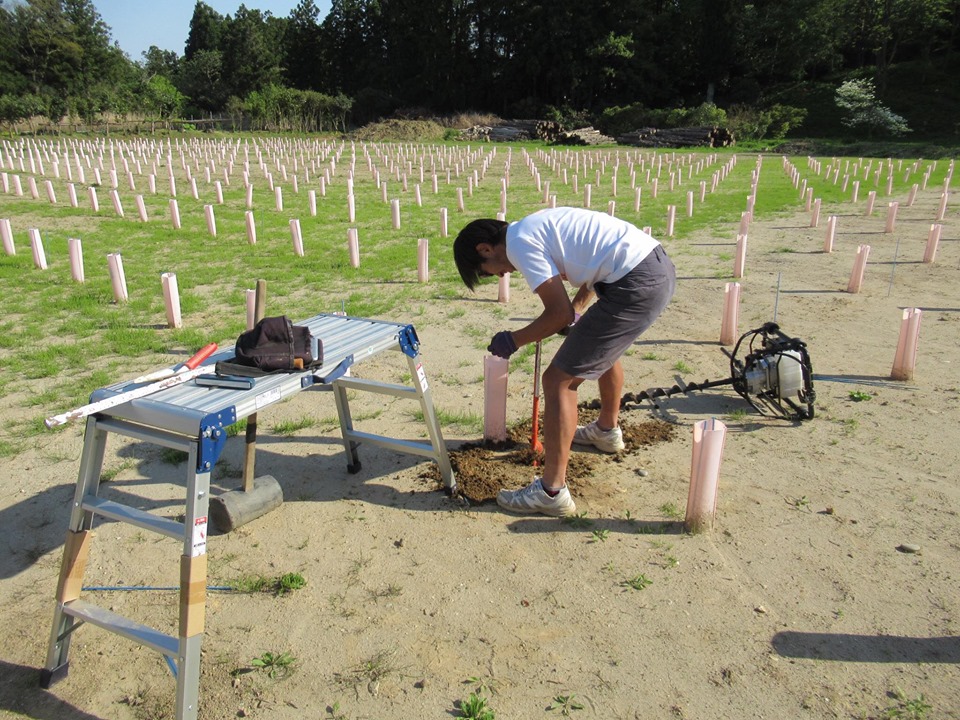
x: 484, y: 468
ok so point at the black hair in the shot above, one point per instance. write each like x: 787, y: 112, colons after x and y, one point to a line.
x: 465, y: 252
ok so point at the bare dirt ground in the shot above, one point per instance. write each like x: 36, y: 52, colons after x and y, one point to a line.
x: 826, y: 589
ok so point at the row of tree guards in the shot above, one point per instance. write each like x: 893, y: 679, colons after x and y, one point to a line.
x: 73, y: 159
x: 386, y: 165
x: 36, y: 162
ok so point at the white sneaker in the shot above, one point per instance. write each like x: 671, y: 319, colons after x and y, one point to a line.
x: 609, y: 441
x: 533, y: 499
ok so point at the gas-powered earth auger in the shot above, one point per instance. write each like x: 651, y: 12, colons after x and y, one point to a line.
x: 775, y: 377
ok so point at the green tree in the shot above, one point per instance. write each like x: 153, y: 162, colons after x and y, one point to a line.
x: 880, y: 30
x: 102, y: 78
x: 249, y: 43
x: 162, y: 98
x: 201, y: 79
x: 47, y: 56
x: 352, y: 42
x: 160, y: 62
x: 64, y: 54
x: 15, y: 109
x: 206, y: 30
x: 11, y: 80
x: 340, y: 108
x: 303, y: 47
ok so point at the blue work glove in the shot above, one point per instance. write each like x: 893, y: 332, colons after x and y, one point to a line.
x: 503, y: 344
x: 564, y: 331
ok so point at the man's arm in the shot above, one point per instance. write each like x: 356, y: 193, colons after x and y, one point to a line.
x: 581, y: 301
x: 558, y: 312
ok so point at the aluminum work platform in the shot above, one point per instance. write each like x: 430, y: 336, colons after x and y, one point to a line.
x: 193, y: 419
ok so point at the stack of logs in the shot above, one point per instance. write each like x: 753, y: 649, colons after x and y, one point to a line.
x: 514, y: 130
x: 678, y: 137
x: 584, y: 136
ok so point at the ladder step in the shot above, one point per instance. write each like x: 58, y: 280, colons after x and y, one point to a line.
x: 108, y: 620
x: 407, y: 446
x: 140, y: 518
x: 353, y: 383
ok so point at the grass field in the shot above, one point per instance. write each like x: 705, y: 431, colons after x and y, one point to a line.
x: 61, y: 339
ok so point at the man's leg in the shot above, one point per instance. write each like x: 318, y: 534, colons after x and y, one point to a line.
x: 611, y: 390
x: 559, y: 424
x: 549, y: 495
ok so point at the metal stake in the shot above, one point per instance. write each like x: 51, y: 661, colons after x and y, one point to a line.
x: 896, y: 252
x: 776, y: 301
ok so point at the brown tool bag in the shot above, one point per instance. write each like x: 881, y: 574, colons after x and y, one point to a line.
x: 274, y: 345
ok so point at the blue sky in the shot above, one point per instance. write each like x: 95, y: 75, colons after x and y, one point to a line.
x: 138, y: 24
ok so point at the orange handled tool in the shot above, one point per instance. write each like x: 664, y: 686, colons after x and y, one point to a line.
x: 535, y: 432
x: 178, y: 375
x: 201, y: 355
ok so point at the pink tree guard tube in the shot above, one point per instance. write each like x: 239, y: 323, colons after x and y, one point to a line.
x: 503, y: 288
x: 859, y: 267
x: 815, y: 214
x: 423, y: 256
x: 740, y: 260
x: 708, y: 441
x: 831, y: 234
x: 117, y: 278
x: 171, y: 299
x: 6, y: 233
x: 353, y: 245
x: 251, y: 308
x: 117, y: 205
x: 211, y: 220
x: 933, y: 240
x: 891, y: 216
x: 297, y: 237
x: 36, y: 245
x: 731, y: 314
x: 75, y: 251
x: 906, y: 356
x: 495, y: 371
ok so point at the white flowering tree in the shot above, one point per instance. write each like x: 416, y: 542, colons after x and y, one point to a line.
x: 858, y: 100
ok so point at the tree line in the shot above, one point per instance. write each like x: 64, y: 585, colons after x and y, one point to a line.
x: 570, y: 60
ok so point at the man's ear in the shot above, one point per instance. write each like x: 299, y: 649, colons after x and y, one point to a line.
x: 484, y: 250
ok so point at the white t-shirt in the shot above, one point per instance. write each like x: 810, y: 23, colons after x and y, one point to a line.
x: 583, y: 246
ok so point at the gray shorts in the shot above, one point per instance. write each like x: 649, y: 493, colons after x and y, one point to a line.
x: 623, y: 311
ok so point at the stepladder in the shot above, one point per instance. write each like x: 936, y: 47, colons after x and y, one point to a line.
x: 182, y: 651
x: 193, y: 419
